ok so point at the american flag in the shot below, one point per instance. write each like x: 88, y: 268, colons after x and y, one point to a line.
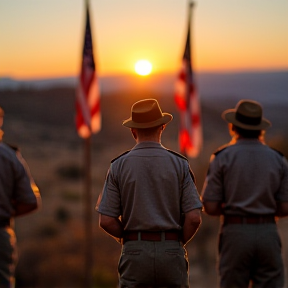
x: 187, y: 101
x: 88, y: 114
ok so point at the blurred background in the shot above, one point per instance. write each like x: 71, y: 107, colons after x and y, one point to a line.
x: 239, y: 51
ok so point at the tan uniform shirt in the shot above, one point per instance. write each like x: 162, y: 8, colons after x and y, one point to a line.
x: 149, y: 187
x: 15, y: 184
x: 248, y: 177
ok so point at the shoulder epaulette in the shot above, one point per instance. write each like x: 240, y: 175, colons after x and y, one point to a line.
x: 13, y: 147
x: 183, y: 157
x: 177, y: 154
x: 120, y: 156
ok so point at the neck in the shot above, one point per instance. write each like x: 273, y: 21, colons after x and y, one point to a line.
x: 239, y: 137
x: 144, y: 135
x: 148, y: 139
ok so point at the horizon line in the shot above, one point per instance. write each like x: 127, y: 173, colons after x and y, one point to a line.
x: 239, y: 71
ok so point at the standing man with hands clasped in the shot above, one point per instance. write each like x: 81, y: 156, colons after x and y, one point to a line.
x: 150, y: 204
x: 247, y: 184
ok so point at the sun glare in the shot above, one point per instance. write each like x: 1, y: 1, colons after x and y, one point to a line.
x: 143, y: 67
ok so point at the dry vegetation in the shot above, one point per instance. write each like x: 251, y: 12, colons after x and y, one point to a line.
x: 51, y: 241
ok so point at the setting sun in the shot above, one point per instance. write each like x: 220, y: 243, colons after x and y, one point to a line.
x: 143, y: 67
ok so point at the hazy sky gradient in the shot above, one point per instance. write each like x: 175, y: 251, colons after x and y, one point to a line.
x: 44, y: 38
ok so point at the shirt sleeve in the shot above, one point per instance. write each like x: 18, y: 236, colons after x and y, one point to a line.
x: 190, y: 196
x: 25, y: 188
x: 213, y: 186
x: 109, y: 202
x: 282, y: 193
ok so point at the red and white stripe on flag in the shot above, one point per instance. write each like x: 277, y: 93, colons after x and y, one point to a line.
x: 186, y: 99
x: 88, y: 113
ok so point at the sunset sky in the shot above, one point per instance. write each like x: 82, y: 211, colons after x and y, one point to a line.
x: 43, y: 38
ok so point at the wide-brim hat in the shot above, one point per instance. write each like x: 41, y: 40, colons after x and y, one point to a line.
x: 247, y: 115
x: 147, y: 114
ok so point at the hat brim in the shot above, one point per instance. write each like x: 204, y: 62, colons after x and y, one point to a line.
x: 166, y: 118
x: 230, y: 116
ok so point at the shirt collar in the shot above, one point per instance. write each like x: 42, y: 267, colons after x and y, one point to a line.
x: 247, y: 140
x: 147, y: 144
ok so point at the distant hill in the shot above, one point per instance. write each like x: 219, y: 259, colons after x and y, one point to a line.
x: 265, y: 87
x: 7, y: 83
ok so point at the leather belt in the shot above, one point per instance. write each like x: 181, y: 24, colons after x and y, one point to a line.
x: 151, y: 235
x: 264, y: 219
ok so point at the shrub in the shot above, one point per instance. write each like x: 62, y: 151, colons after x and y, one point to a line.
x: 62, y: 214
x: 70, y: 172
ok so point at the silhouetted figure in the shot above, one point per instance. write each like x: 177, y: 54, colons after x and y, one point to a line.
x: 247, y: 183
x: 18, y: 196
x: 150, y: 204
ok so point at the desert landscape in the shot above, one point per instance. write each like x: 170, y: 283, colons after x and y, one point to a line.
x: 51, y: 242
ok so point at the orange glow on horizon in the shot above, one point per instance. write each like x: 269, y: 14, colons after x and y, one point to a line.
x: 53, y: 65
x: 34, y: 45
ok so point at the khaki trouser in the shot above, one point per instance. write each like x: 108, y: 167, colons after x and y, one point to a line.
x: 153, y: 264
x: 250, y: 253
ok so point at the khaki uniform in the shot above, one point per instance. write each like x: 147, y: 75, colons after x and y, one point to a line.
x: 150, y: 188
x: 15, y: 187
x: 248, y: 178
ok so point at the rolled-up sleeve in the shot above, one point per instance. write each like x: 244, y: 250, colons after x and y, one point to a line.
x: 213, y: 186
x: 282, y: 193
x: 109, y: 202
x: 190, y: 196
x: 23, y: 192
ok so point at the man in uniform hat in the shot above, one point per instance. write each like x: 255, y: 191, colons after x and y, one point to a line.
x: 150, y: 204
x: 19, y: 195
x: 247, y: 183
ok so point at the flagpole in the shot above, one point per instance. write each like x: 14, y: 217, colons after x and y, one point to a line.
x: 88, y: 215
x: 88, y: 121
x: 188, y: 80
x: 190, y: 15
x: 87, y: 208
x: 189, y: 56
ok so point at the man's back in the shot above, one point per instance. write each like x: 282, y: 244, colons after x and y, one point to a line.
x: 252, y: 178
x: 150, y: 181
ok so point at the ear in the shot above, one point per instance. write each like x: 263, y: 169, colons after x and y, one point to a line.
x: 134, y: 134
x: 233, y: 127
